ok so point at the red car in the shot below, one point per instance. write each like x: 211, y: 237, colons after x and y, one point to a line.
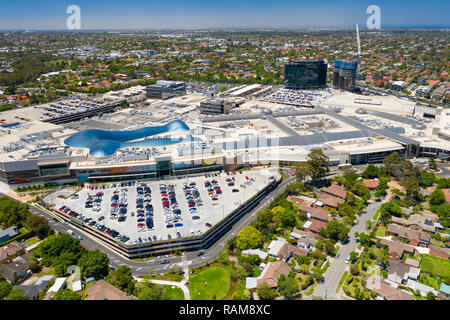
x: 246, y: 178
x: 215, y: 199
x: 92, y: 187
x: 232, y: 178
x: 191, y: 205
x: 208, y: 225
x: 219, y: 191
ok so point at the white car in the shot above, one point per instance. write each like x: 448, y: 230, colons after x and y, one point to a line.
x: 347, y: 260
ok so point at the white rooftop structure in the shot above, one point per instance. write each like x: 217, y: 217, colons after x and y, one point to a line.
x: 58, y: 285
x: 263, y: 255
x: 76, y: 286
x: 275, y: 246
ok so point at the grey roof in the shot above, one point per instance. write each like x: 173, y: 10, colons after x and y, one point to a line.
x: 11, y: 232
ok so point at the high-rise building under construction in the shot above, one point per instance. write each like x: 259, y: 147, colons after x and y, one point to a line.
x: 344, y: 74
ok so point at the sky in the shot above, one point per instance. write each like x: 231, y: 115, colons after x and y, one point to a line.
x: 212, y: 14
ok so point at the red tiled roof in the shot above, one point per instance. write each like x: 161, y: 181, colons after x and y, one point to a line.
x: 335, y: 190
x: 317, y: 213
x: 371, y: 183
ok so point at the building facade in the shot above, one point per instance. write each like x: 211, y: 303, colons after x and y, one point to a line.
x: 344, y: 74
x: 305, y: 74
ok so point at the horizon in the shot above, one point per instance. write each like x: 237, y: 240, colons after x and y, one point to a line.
x: 138, y: 15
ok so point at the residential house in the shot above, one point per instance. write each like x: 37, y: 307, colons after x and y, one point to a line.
x: 372, y: 184
x: 305, y: 240
x: 415, y: 238
x: 16, y: 270
x: 283, y: 250
x: 397, y: 249
x: 8, y: 233
x: 59, y: 284
x: 416, y: 222
x: 424, y: 289
x: 314, y: 226
x: 102, y: 290
x: 261, y: 254
x: 385, y: 290
x: 439, y: 252
x: 316, y: 213
x: 399, y: 272
x: 304, y: 200
x: 330, y: 202
x: 335, y: 190
x: 10, y: 251
x: 40, y: 285
x: 272, y: 273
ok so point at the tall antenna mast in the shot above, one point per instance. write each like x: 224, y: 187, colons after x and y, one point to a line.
x: 358, y: 70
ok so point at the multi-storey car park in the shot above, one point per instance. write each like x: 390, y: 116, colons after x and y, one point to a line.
x: 169, y: 142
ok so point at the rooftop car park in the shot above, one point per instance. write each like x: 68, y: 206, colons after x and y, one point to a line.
x: 148, y: 211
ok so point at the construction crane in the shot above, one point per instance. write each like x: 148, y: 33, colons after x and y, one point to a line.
x: 358, y: 70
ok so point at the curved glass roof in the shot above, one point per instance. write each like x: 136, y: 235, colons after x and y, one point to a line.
x: 103, y: 143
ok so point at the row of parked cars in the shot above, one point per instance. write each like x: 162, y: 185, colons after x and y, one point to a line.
x: 144, y: 208
x: 119, y: 205
x: 94, y: 201
x: 193, y: 199
x: 172, y: 212
x: 95, y: 224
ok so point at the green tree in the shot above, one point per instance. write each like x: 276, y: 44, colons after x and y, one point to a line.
x: 391, y: 163
x: 370, y: 172
x: 427, y: 179
x: 436, y: 198
x: 5, y: 289
x: 17, y: 293
x: 123, y: 279
x: 287, y: 286
x: 266, y: 293
x: 39, y: 225
x: 430, y: 295
x: 319, y: 164
x: 94, y: 264
x: 150, y: 291
x: 335, y: 230
x: 249, y: 238
x: 66, y: 294
x: 353, y: 256
x: 302, y: 171
x: 412, y: 187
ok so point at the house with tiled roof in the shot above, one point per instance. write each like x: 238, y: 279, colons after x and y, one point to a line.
x: 316, y: 213
x: 371, y: 183
x: 415, y: 238
x: 397, y: 249
x: 10, y: 251
x: 330, y: 202
x: 272, y: 273
x: 385, y: 290
x: 335, y: 190
x: 103, y: 290
x: 400, y: 272
x: 314, y: 226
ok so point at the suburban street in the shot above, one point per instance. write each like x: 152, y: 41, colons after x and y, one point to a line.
x: 327, y: 289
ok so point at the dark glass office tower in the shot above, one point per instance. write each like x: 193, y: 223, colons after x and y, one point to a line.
x: 344, y: 74
x: 305, y: 74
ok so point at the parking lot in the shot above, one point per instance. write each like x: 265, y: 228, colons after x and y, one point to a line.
x: 145, y: 211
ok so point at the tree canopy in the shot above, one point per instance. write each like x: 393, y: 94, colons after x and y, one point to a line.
x: 249, y: 238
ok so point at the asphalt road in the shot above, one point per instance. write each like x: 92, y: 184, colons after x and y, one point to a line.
x: 327, y: 289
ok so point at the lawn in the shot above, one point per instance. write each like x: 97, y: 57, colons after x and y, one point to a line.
x: 436, y: 266
x: 214, y: 281
x: 173, y: 293
x: 381, y: 231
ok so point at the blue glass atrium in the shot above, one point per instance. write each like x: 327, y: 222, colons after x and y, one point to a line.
x: 103, y: 143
